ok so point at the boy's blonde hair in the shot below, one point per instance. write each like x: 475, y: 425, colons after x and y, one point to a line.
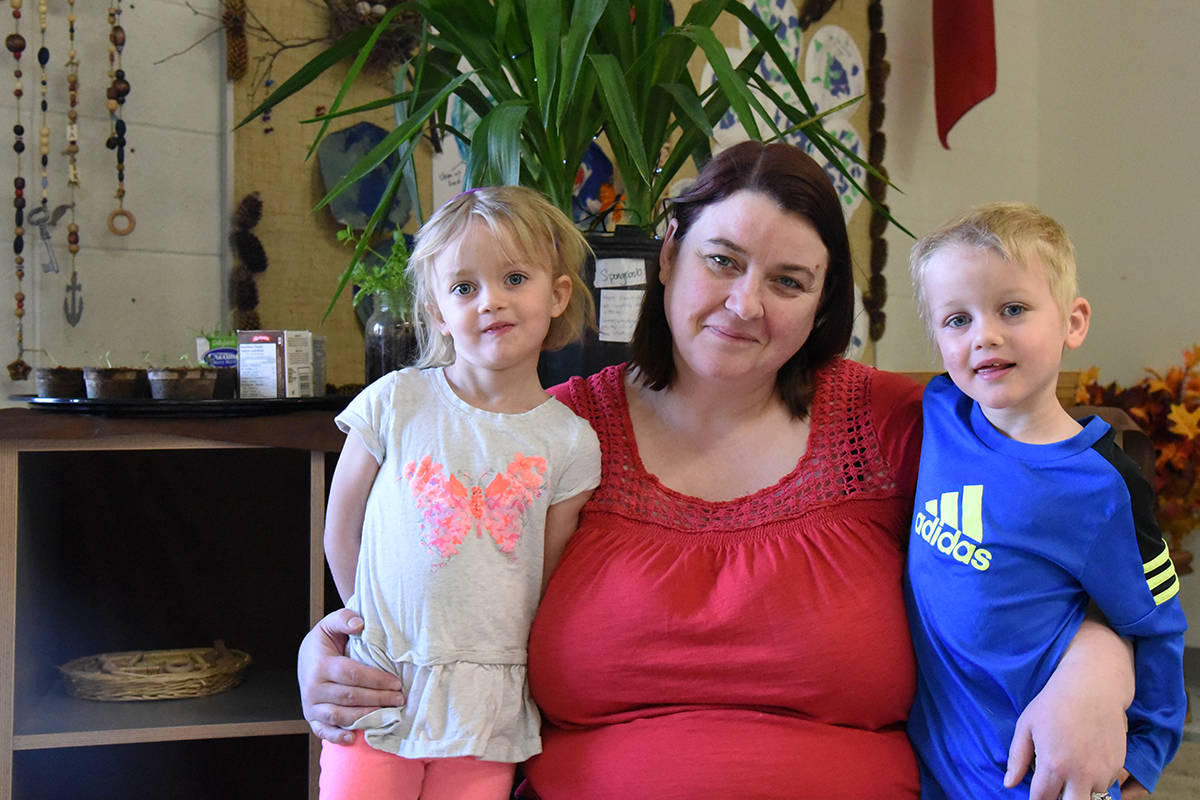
x: 1017, y: 232
x: 528, y: 230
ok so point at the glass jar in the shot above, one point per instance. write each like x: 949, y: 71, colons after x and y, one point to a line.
x: 389, y: 338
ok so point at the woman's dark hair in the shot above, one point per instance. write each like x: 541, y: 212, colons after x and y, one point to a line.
x: 799, y: 185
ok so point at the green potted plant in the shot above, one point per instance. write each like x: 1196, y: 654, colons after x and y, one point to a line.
x: 115, y: 383
x: 547, y: 77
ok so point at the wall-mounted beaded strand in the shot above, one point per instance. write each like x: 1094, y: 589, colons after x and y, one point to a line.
x: 43, y: 58
x: 72, y: 303
x: 16, y: 44
x: 18, y: 370
x: 121, y: 221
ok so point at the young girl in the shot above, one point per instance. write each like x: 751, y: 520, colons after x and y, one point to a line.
x: 454, y: 495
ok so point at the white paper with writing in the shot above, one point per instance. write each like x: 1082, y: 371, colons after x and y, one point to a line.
x: 618, y: 313
x: 612, y: 273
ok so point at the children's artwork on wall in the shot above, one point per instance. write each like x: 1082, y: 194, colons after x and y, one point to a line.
x: 833, y: 70
x: 780, y: 16
x: 850, y: 197
x: 336, y: 154
x: 594, y: 192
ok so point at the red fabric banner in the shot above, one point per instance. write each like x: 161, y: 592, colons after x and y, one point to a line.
x: 964, y: 59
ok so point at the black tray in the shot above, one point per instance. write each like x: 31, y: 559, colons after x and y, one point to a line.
x: 147, y: 407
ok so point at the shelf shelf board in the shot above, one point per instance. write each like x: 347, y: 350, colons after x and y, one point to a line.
x: 265, y: 704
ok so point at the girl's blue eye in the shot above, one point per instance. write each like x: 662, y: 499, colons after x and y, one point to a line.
x: 956, y: 321
x: 460, y: 289
x: 1013, y: 310
x: 516, y: 279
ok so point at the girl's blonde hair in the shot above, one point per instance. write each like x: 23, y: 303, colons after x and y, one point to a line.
x: 1017, y: 232
x: 528, y: 230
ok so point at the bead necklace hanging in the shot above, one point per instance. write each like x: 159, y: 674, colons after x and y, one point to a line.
x: 18, y: 370
x: 41, y: 216
x: 43, y: 58
x: 117, y: 92
x: 72, y: 303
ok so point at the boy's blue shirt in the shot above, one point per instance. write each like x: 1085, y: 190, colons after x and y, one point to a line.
x: 1008, y: 543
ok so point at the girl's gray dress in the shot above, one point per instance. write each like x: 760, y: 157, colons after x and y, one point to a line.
x: 449, y: 571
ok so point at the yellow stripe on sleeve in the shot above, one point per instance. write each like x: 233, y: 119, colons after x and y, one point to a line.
x: 1167, y: 595
x: 1158, y: 560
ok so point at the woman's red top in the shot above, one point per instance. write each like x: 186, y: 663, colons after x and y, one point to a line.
x: 754, y: 648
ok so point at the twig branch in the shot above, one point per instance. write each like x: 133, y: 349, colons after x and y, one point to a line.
x: 254, y: 28
x: 194, y: 44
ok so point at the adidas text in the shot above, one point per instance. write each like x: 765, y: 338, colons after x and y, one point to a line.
x: 951, y: 541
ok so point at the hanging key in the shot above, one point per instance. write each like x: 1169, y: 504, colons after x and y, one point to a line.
x: 41, y: 218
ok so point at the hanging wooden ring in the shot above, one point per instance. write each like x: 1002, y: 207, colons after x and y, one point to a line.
x: 129, y: 225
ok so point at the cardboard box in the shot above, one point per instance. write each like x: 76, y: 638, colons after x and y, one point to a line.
x: 277, y: 363
x: 217, y: 350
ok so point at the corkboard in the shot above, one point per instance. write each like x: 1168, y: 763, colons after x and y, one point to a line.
x: 305, y: 257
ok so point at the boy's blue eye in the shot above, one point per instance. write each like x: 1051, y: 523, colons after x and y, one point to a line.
x: 516, y: 279
x: 460, y: 289
x: 957, y: 321
x: 1013, y: 310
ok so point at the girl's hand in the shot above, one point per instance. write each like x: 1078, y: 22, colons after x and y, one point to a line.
x: 1076, y: 724
x: 336, y: 690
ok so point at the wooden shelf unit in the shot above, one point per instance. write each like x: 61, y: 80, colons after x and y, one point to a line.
x: 139, y: 534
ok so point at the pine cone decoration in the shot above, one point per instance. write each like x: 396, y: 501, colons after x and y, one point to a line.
x: 233, y: 19
x: 237, y: 56
x: 248, y: 213
x: 246, y: 320
x: 243, y: 290
x: 250, y: 251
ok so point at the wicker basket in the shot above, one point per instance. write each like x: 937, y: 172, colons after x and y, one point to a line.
x: 155, y: 674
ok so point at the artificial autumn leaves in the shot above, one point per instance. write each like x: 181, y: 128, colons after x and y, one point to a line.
x: 1167, y: 407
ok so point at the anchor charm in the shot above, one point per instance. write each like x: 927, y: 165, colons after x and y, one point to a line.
x: 73, y: 306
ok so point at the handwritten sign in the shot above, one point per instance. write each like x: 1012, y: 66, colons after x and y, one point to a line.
x: 618, y: 313
x: 449, y: 173
x: 612, y: 273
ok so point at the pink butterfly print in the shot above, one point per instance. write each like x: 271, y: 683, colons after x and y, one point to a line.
x: 450, y: 510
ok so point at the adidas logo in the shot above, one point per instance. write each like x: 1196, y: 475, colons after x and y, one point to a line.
x: 954, y: 525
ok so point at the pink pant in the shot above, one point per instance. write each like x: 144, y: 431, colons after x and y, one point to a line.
x: 360, y: 772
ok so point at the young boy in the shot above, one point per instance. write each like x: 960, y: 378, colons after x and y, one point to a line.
x: 1022, y: 514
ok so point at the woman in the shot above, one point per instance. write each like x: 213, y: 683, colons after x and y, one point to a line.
x: 728, y: 618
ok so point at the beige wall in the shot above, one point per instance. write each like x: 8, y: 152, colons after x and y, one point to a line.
x: 1094, y: 119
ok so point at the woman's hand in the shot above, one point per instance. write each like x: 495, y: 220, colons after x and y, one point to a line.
x: 335, y: 690
x: 1076, y: 724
